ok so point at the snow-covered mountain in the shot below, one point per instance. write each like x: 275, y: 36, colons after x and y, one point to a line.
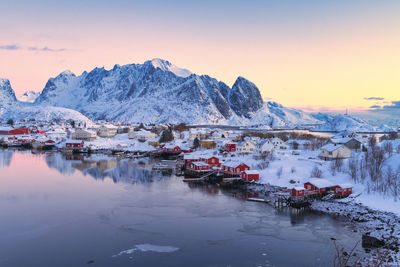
x: 153, y: 92
x: 350, y: 123
x: 160, y: 92
x: 7, y: 95
x: 29, y: 96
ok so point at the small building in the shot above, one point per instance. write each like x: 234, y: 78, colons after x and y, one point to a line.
x: 343, y: 190
x: 208, y: 144
x: 212, y: 161
x: 199, y: 166
x: 74, y: 144
x: 250, y: 175
x: 318, y: 185
x: 107, y: 131
x: 14, y: 131
x: 81, y: 134
x: 350, y: 142
x: 333, y: 151
x: 279, y: 144
x: 189, y: 158
x: 263, y: 147
x: 245, y: 147
x: 298, y: 191
x: 230, y: 147
x: 234, y: 167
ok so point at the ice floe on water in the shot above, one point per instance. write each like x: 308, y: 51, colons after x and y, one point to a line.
x: 146, y: 248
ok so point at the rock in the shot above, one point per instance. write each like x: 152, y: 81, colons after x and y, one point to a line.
x: 371, y: 242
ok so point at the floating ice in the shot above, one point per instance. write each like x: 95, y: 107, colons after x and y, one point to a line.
x: 146, y: 248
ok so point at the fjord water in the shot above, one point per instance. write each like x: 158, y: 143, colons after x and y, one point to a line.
x: 100, y: 211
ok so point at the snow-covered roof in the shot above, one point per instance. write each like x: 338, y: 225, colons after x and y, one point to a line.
x: 342, y: 140
x: 252, y: 172
x: 7, y: 128
x: 262, y: 142
x: 232, y: 163
x: 345, y: 185
x: 199, y: 163
x: 299, y: 188
x: 73, y: 141
x: 331, y: 147
x: 320, y: 183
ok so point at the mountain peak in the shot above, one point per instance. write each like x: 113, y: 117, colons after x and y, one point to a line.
x: 165, y: 65
x: 7, y: 95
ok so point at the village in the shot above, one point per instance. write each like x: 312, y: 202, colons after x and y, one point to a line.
x: 294, y: 160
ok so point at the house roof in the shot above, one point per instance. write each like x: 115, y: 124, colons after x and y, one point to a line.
x: 331, y: 147
x: 252, y: 172
x: 199, y: 163
x: 345, y: 185
x: 262, y: 142
x: 320, y: 183
x: 298, y: 188
x: 232, y: 163
x: 343, y: 140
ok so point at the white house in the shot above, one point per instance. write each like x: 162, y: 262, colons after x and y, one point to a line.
x: 86, y: 135
x: 107, y: 131
x: 333, y: 151
x: 245, y: 147
x: 263, y: 147
x: 141, y: 135
x: 279, y: 144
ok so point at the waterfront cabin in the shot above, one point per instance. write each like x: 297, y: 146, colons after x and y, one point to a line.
x: 343, y: 190
x: 212, y: 161
x: 14, y: 131
x: 74, y: 144
x: 279, y: 144
x: 333, y: 151
x: 298, y: 191
x: 199, y: 166
x: 318, y: 185
x: 250, y: 175
x: 234, y: 168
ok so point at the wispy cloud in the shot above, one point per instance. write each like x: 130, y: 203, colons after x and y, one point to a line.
x: 374, y: 98
x: 394, y: 105
x: 10, y: 47
x: 32, y: 48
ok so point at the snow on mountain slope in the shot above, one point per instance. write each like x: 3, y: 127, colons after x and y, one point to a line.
x: 275, y: 115
x: 21, y: 112
x: 29, y: 97
x: 7, y: 95
x: 350, y: 123
x: 152, y: 93
x: 167, y: 66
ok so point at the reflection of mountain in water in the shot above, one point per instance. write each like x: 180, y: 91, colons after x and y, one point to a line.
x: 5, y: 157
x: 101, y: 166
x: 58, y: 162
x: 124, y: 171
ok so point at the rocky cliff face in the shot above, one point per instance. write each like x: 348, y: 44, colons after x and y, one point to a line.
x: 7, y: 96
x: 155, y: 91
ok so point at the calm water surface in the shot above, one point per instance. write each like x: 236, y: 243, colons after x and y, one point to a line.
x: 101, y: 211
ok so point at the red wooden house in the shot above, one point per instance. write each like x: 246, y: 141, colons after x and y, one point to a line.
x: 234, y: 168
x: 298, y: 191
x: 199, y: 166
x: 74, y: 144
x: 230, y: 147
x: 14, y: 131
x: 250, y: 175
x: 318, y: 185
x: 343, y: 189
x: 212, y: 161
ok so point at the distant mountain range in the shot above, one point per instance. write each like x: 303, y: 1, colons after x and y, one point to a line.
x: 154, y: 92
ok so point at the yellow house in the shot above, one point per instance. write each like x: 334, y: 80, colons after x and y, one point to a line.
x: 208, y: 144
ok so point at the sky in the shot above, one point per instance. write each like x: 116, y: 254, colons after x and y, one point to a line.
x: 314, y: 54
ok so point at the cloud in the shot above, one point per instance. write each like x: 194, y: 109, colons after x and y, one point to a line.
x: 374, y: 98
x: 10, y: 47
x: 32, y: 48
x: 375, y: 106
x: 393, y: 105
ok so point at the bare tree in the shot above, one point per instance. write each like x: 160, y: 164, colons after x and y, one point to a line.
x: 279, y: 172
x: 388, y: 148
x: 316, y: 172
